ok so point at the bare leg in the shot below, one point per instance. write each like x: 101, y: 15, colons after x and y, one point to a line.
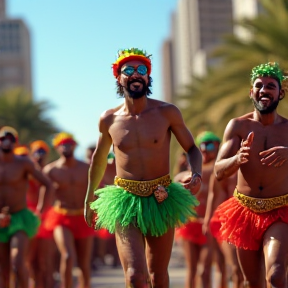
x: 250, y: 263
x: 65, y: 244
x: 4, y: 264
x: 229, y: 252
x: 131, y: 249
x: 20, y: 241
x: 276, y: 254
x: 158, y: 253
x: 191, y: 254
x: 83, y: 251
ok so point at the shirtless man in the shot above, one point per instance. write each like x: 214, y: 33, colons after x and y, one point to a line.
x: 255, y: 220
x: 41, y: 246
x: 17, y: 223
x: 144, y: 206
x: 197, y: 246
x: 72, y: 236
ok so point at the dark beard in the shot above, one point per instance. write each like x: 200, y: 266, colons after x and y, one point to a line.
x: 6, y: 150
x: 265, y: 110
x: 68, y: 154
x: 136, y: 94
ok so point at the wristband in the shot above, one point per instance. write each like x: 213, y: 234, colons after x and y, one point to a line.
x: 196, y: 174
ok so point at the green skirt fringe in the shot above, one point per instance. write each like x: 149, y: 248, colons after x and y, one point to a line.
x: 23, y: 220
x: 116, y: 205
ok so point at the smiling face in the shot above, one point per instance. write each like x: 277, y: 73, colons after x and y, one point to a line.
x: 135, y: 85
x: 266, y: 94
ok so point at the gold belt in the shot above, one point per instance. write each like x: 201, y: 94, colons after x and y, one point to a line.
x: 70, y: 212
x: 260, y: 205
x: 142, y: 188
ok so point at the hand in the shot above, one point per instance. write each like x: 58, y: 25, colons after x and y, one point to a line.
x: 192, y: 183
x: 275, y: 156
x: 244, y: 151
x: 5, y: 217
x: 89, y: 215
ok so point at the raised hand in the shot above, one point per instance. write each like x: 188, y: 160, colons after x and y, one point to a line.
x: 275, y: 156
x: 244, y: 151
x: 5, y: 217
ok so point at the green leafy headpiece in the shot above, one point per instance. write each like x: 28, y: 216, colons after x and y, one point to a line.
x: 271, y: 69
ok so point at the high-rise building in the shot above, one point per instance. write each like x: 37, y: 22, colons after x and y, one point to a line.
x: 15, y: 53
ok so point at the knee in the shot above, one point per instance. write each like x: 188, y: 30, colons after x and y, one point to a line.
x: 67, y: 257
x: 159, y: 279
x: 276, y: 276
x: 136, y: 278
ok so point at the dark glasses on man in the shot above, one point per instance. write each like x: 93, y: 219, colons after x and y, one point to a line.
x: 129, y: 70
x: 207, y: 146
x: 9, y: 136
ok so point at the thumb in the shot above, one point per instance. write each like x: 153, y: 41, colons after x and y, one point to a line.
x: 249, y: 139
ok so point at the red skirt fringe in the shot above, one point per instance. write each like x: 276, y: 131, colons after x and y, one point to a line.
x: 192, y: 231
x: 238, y: 225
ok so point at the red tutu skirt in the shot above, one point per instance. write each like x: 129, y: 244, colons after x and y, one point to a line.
x: 240, y: 226
x: 192, y: 231
x: 75, y: 223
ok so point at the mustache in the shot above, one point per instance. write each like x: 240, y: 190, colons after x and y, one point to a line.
x: 136, y: 80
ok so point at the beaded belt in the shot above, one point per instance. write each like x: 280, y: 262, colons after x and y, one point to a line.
x: 70, y: 212
x: 260, y: 205
x: 142, y: 188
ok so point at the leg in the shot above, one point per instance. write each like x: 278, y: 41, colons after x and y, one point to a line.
x: 83, y: 251
x: 191, y: 254
x: 276, y: 254
x: 20, y: 242
x: 229, y: 252
x: 4, y: 266
x: 205, y: 262
x: 131, y: 249
x: 250, y: 264
x: 65, y: 244
x: 158, y: 253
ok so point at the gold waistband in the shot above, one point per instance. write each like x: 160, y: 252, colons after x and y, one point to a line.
x: 260, y: 205
x: 142, y: 188
x: 70, y: 212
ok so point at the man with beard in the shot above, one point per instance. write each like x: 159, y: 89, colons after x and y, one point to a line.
x: 255, y: 220
x: 17, y: 223
x: 72, y: 236
x: 144, y: 206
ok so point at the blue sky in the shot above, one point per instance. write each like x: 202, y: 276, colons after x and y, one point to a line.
x: 74, y: 43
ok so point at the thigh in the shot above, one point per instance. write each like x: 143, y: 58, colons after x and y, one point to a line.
x: 131, y: 248
x: 191, y: 253
x: 275, y: 245
x: 84, y: 251
x: 250, y: 262
x: 4, y: 254
x: 20, y: 243
x: 64, y: 240
x: 158, y: 251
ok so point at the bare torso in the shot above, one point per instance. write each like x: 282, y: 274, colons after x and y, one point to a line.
x: 13, y: 184
x: 141, y: 142
x: 255, y: 179
x: 70, y: 182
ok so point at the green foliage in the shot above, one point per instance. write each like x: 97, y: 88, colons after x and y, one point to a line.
x: 18, y: 110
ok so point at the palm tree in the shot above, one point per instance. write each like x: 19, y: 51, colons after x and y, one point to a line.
x: 211, y: 101
x: 223, y: 93
x: 18, y: 110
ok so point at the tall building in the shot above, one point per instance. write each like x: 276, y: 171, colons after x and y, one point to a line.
x: 197, y: 28
x: 15, y: 53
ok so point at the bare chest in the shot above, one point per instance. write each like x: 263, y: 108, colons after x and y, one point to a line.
x: 10, y: 173
x: 139, y: 131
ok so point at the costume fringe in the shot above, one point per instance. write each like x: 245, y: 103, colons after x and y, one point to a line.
x: 115, y: 205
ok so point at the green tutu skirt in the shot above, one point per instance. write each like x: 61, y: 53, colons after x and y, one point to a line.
x: 23, y: 220
x: 116, y: 205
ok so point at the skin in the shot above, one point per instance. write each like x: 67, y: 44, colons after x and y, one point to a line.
x: 219, y: 192
x: 69, y: 176
x: 256, y: 142
x: 139, y: 144
x: 40, y: 249
x: 14, y: 172
x: 196, y: 254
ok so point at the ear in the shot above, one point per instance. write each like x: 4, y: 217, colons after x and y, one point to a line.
x: 282, y: 94
x: 250, y: 93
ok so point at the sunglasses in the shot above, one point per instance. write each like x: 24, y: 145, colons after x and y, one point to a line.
x: 207, y: 146
x: 129, y: 70
x: 8, y: 136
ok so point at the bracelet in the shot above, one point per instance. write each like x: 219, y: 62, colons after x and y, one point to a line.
x: 196, y: 174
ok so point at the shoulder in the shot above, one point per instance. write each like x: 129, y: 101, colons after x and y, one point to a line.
x: 165, y: 108
x: 107, y: 114
x: 239, y: 122
x: 83, y: 164
x: 49, y: 167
